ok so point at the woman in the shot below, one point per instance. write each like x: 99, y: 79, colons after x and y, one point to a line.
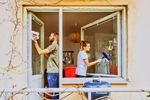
x: 83, y: 61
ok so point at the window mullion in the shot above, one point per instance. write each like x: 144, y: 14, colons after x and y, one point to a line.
x: 119, y: 43
x: 124, y: 43
x: 60, y: 45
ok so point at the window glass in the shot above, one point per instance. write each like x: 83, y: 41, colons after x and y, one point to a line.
x: 36, y: 59
x: 103, y: 38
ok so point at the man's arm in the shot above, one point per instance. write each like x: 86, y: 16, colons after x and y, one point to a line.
x: 39, y: 50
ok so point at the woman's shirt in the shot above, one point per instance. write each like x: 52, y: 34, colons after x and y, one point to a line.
x: 81, y: 66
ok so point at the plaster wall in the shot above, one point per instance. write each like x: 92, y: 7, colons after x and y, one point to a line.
x: 138, y: 39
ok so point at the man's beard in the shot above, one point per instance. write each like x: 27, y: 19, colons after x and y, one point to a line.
x: 52, y: 40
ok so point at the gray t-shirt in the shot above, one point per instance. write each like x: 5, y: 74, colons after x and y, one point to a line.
x: 81, y: 66
x: 52, y: 62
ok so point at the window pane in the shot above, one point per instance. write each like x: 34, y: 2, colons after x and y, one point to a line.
x: 103, y: 38
x: 36, y: 59
x: 50, y: 20
x: 98, y: 35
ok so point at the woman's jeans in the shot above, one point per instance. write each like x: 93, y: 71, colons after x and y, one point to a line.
x: 53, y: 82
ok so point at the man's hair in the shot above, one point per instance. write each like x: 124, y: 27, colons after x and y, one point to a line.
x: 55, y: 33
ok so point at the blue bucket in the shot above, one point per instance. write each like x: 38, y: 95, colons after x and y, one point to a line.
x: 97, y: 84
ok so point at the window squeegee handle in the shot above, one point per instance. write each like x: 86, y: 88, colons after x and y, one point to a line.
x: 106, y: 56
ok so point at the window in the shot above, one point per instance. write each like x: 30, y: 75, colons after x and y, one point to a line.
x: 104, y: 27
x: 36, y: 59
x: 104, y: 35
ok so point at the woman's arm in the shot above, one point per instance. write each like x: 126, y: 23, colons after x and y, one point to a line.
x: 89, y: 64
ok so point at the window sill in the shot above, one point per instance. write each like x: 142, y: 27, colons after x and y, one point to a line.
x: 83, y: 80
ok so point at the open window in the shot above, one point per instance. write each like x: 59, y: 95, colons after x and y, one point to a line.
x: 103, y: 26
x: 104, y: 34
x: 36, y: 61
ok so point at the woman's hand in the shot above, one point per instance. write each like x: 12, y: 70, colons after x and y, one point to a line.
x: 99, y: 60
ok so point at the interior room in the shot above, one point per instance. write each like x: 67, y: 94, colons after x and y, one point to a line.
x: 102, y: 36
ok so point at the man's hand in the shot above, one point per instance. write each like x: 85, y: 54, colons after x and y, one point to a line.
x: 34, y: 39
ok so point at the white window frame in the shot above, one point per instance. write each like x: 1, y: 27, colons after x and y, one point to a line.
x: 103, y: 20
x: 123, y: 76
x: 38, y: 21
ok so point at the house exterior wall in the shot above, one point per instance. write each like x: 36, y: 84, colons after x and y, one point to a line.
x: 13, y: 72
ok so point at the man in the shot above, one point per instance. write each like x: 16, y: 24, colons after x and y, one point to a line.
x: 52, y: 63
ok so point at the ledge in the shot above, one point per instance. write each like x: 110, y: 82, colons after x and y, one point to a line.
x: 83, y: 80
